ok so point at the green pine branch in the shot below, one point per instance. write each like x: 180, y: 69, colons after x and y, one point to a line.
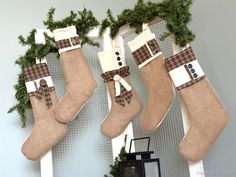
x: 115, y: 168
x: 176, y: 14
x: 84, y: 22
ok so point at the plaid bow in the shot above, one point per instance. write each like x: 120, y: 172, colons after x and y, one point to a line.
x: 73, y: 41
x: 122, y: 88
x: 142, y: 54
x: 35, y: 72
x: 44, y: 91
x: 180, y: 59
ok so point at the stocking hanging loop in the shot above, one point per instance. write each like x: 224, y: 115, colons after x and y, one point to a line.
x: 145, y: 26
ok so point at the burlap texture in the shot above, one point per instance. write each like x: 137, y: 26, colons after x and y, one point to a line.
x: 79, y: 85
x: 47, y: 131
x: 160, y: 93
x: 207, y: 118
x: 120, y: 116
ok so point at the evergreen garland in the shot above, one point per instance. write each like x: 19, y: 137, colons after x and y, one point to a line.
x: 176, y: 14
x: 115, y: 168
x: 84, y: 22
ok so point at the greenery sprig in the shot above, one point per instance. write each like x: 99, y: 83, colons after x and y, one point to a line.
x: 115, y: 169
x: 84, y: 22
x: 176, y: 14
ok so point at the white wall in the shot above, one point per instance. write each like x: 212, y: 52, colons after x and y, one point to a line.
x: 215, y: 46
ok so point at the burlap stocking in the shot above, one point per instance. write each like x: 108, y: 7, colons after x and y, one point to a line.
x: 150, y: 61
x: 47, y: 131
x: 79, y: 81
x: 125, y: 102
x: 206, y: 113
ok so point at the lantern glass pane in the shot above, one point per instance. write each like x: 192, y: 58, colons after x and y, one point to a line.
x: 151, y: 169
x: 131, y: 171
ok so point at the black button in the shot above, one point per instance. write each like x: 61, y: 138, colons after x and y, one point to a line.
x: 118, y: 58
x: 117, y: 53
x: 120, y: 64
x: 192, y: 70
x: 190, y: 65
x: 195, y: 75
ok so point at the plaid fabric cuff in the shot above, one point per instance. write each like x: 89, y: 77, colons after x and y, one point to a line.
x: 181, y: 59
x: 36, y: 71
x: 65, y: 43
x: 145, y: 52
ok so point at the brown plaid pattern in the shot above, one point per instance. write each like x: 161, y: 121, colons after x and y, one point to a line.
x: 122, y: 72
x: 35, y: 72
x: 142, y: 54
x: 125, y: 95
x: 36, y: 93
x: 66, y: 42
x: 180, y: 59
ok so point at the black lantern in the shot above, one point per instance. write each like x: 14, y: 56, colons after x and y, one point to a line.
x: 140, y: 164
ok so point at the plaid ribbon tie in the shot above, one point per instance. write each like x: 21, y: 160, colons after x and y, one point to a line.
x: 122, y: 88
x: 35, y: 72
x: 44, y: 91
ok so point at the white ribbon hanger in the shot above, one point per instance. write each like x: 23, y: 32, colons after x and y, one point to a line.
x: 145, y: 26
